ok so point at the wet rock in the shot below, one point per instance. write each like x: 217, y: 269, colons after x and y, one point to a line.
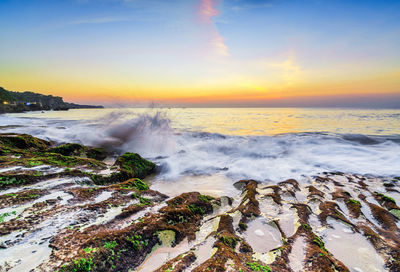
x: 385, y: 218
x: 129, y: 246
x: 178, y: 264
x: 331, y: 209
x: 113, y: 221
x: 249, y: 205
x: 276, y: 195
x: 292, y: 182
x: 12, y: 199
x: 227, y: 258
x: 314, y: 191
x: 68, y: 150
x: 79, y: 150
x: 135, y: 165
x: 386, y: 201
x: 19, y: 142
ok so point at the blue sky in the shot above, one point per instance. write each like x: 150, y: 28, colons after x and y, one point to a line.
x: 200, y: 51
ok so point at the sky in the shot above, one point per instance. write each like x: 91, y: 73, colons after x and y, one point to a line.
x: 204, y: 52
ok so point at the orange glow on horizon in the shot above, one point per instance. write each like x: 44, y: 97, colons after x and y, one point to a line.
x: 290, y: 82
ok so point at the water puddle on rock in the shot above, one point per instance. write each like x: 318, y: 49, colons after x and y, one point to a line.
x: 16, y: 210
x: 288, y: 221
x: 103, y: 196
x: 214, y: 185
x: 342, y: 207
x: 268, y: 207
x: 162, y: 254
x: 262, y: 236
x: 32, y: 247
x: 297, y: 255
x: 365, y: 209
x: 301, y: 195
x: 352, y: 248
x: 26, y: 257
x: 44, y: 169
x: 204, y: 251
x: 10, y: 169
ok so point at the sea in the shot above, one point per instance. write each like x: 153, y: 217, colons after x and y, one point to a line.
x: 208, y: 149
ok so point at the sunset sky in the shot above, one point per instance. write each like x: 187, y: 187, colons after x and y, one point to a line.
x: 203, y: 52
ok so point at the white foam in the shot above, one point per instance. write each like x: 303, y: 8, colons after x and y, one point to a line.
x: 181, y: 151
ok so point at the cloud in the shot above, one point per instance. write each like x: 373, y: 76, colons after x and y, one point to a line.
x: 288, y: 69
x: 207, y: 10
x: 218, y: 42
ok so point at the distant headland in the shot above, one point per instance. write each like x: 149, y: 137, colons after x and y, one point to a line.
x: 13, y: 102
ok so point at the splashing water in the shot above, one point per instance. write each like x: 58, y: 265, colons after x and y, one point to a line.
x: 181, y: 147
x: 145, y: 134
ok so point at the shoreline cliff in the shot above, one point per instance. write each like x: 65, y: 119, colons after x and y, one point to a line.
x: 16, y: 102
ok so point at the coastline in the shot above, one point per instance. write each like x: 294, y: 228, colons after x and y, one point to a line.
x: 18, y: 102
x: 22, y: 107
x: 87, y: 214
x: 200, y: 136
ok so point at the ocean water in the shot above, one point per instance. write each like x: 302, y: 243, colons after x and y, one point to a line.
x: 266, y: 144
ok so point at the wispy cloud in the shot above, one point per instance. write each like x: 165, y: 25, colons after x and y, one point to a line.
x: 207, y: 10
x: 99, y: 20
x: 289, y: 69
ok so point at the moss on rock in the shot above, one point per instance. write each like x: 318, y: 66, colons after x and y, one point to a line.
x: 396, y: 213
x: 23, y: 141
x: 68, y: 149
x: 73, y: 149
x: 28, y: 151
x: 124, y: 249
x: 135, y: 165
x: 96, y: 153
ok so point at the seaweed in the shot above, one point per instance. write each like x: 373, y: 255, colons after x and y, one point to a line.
x: 135, y: 165
x: 137, y: 242
x: 79, y: 265
x: 354, y: 202
x: 258, y: 267
x: 386, y: 198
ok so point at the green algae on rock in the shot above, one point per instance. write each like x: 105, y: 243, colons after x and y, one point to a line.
x: 147, y: 222
x: 22, y: 142
x: 126, y: 248
x: 28, y: 151
x: 79, y: 150
x: 135, y: 165
x: 396, y: 212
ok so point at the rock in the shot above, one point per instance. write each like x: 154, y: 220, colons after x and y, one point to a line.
x: 135, y: 165
x: 79, y: 150
x: 68, y: 149
x: 123, y: 222
x: 96, y: 153
x: 22, y: 141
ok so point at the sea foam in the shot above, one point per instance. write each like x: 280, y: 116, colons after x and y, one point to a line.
x: 184, y: 152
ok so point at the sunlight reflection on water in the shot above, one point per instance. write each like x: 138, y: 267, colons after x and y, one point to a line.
x: 255, y: 121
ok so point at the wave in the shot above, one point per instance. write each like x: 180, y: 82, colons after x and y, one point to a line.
x: 182, y: 153
x: 145, y: 134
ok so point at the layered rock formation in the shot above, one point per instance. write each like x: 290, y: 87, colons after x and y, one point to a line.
x: 62, y: 208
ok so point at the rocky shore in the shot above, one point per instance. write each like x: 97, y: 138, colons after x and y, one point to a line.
x: 76, y: 208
